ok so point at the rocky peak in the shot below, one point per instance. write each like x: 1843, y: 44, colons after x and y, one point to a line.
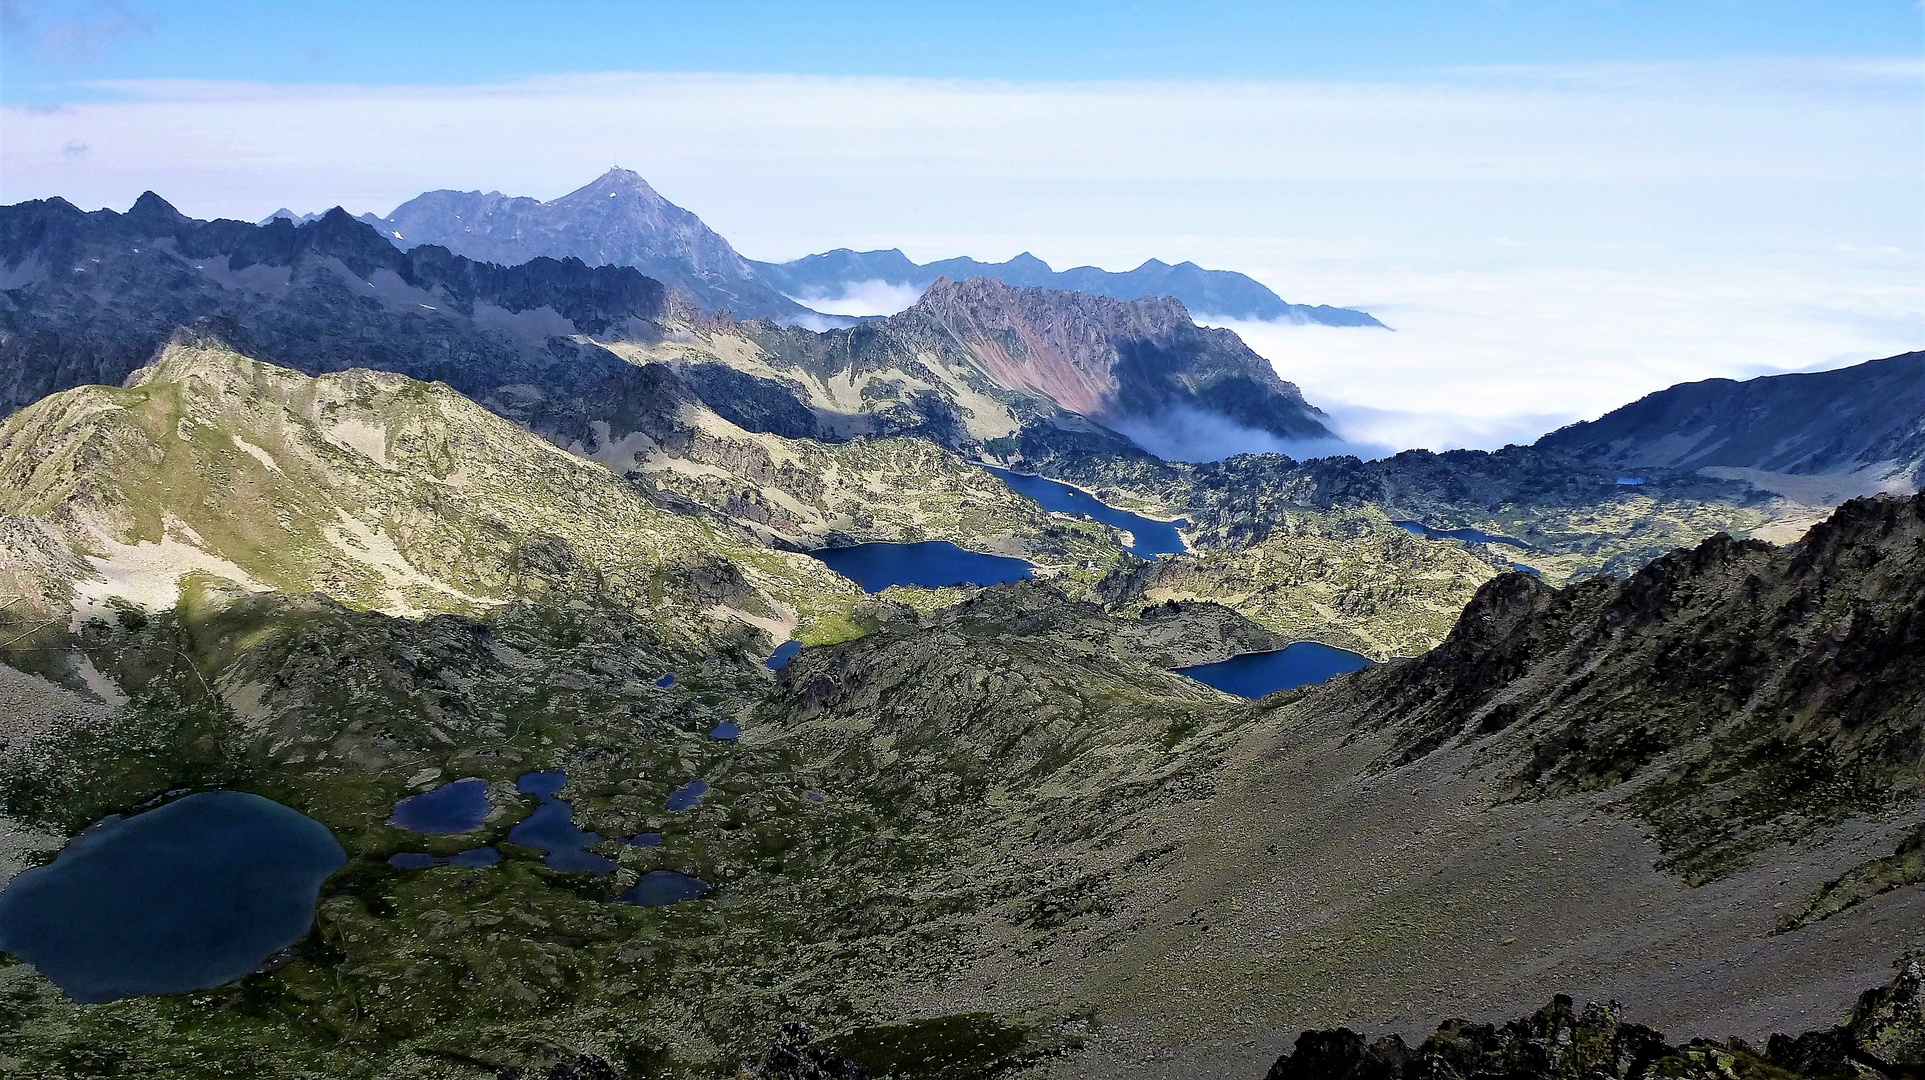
x: 152, y: 215
x: 617, y: 219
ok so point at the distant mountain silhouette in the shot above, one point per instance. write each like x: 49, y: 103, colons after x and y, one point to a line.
x: 1866, y: 421
x: 617, y: 220
x: 1221, y: 293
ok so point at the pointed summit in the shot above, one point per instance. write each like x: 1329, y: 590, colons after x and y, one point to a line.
x: 617, y: 219
x: 620, y: 179
x: 153, y: 215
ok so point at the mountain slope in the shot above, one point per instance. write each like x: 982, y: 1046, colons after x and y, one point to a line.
x: 1318, y: 859
x: 1212, y: 293
x: 383, y: 493
x: 615, y: 220
x: 1864, y: 425
x: 1776, y: 688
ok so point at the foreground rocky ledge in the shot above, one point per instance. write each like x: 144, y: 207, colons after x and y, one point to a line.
x: 1884, y: 1038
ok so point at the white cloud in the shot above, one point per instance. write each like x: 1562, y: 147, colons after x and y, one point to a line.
x: 863, y: 298
x: 1184, y: 433
x: 1481, y: 358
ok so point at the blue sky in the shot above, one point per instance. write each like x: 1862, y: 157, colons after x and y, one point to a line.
x: 1560, y: 206
x: 53, y: 45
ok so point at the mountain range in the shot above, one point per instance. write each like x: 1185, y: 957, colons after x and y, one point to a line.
x: 1222, y: 294
x: 619, y: 220
x: 590, y: 353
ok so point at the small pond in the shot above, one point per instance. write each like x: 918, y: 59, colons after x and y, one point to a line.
x: 451, y: 808
x: 1149, y: 537
x: 1255, y: 674
x: 931, y: 564
x: 727, y: 731
x: 659, y: 888
x: 686, y: 796
x: 552, y: 828
x: 1470, y: 536
x: 783, y: 653
x: 190, y: 895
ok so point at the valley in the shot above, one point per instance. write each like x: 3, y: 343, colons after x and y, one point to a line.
x: 663, y: 676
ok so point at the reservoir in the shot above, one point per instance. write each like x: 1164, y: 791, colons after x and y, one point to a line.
x: 931, y: 564
x: 1150, y: 537
x: 191, y: 895
x: 1255, y: 674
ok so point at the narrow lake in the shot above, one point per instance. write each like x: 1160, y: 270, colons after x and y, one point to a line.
x: 1253, y: 675
x: 1473, y: 536
x: 193, y: 894
x: 1149, y: 537
x: 931, y: 564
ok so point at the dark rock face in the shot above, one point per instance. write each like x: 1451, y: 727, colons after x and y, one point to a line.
x: 1883, y: 1040
x: 1827, y: 422
x: 1221, y: 293
x: 616, y: 220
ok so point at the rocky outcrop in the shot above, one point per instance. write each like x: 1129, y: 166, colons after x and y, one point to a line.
x: 582, y: 1067
x: 1883, y: 1040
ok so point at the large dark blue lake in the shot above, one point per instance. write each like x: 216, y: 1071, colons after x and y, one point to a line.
x: 931, y: 564
x: 193, y: 894
x: 1149, y: 537
x: 1253, y: 675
